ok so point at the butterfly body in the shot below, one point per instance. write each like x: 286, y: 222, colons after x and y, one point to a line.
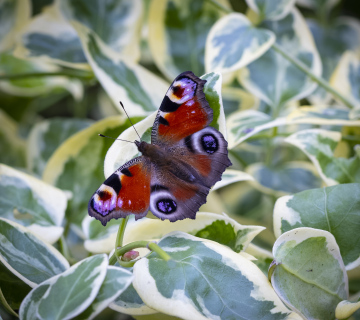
x: 176, y: 170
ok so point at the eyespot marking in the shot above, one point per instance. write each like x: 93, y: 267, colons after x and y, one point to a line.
x: 166, y: 206
x: 209, y: 143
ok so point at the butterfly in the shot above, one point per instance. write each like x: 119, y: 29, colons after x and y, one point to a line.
x: 175, y: 172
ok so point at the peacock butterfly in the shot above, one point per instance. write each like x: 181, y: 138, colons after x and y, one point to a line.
x: 174, y: 175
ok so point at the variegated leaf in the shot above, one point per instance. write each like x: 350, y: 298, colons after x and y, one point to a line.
x: 231, y: 176
x: 263, y: 257
x: 49, y: 37
x: 234, y: 43
x: 33, y: 203
x: 245, y: 124
x: 68, y: 294
x: 14, y: 15
x: 346, y: 308
x: 319, y: 146
x: 317, y: 5
x: 140, y: 90
x: 273, y: 78
x: 116, y: 22
x: 308, y: 264
x: 346, y: 77
x: 271, y: 10
x: 335, y: 209
x: 32, y: 87
x: 189, y: 288
x: 117, y: 280
x: 46, y: 136
x: 26, y: 256
x: 216, y: 227
x: 129, y: 302
x: 11, y: 142
x: 177, y: 34
x: 332, y: 40
x: 289, y: 177
x: 235, y: 99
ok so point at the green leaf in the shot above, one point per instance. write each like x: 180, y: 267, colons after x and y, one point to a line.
x: 309, y: 264
x: 234, y: 43
x: 14, y: 14
x: 32, y: 203
x: 117, y: 280
x: 140, y: 90
x: 26, y: 256
x: 13, y: 289
x: 116, y: 22
x: 11, y: 142
x: 332, y: 40
x: 273, y: 10
x: 205, y: 280
x: 285, y: 178
x: 273, y: 78
x: 69, y: 167
x: 51, y: 38
x: 34, y: 86
x: 346, y: 77
x: 334, y: 209
x: 46, y: 136
x: 177, y: 34
x: 67, y: 294
x: 319, y: 146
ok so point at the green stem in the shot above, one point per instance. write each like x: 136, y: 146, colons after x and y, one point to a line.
x: 6, y: 305
x: 320, y: 81
x: 137, y: 244
x: 120, y: 236
x: 74, y: 74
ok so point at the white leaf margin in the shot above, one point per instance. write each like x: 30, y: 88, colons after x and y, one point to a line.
x: 181, y: 305
x: 34, y: 237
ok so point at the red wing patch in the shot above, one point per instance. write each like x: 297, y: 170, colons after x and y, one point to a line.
x: 183, y: 111
x: 126, y: 191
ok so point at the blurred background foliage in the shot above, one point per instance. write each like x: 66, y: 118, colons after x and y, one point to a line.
x: 64, y: 65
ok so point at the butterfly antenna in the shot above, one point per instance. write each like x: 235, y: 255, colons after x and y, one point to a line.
x: 130, y: 120
x: 101, y: 135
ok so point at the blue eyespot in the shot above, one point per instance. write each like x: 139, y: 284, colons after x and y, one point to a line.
x: 209, y: 143
x: 166, y: 206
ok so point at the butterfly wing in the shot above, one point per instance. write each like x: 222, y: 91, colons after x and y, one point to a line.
x: 197, y: 163
x: 126, y: 191
x: 183, y: 111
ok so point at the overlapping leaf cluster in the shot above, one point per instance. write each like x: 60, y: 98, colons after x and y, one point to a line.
x: 283, y: 80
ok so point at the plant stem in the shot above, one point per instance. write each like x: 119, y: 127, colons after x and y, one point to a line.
x: 301, y: 66
x: 6, y: 305
x: 120, y: 236
x: 65, y: 249
x: 137, y: 244
x: 74, y: 74
x: 320, y: 81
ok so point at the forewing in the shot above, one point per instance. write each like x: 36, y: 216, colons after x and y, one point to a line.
x: 126, y: 191
x: 183, y: 111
